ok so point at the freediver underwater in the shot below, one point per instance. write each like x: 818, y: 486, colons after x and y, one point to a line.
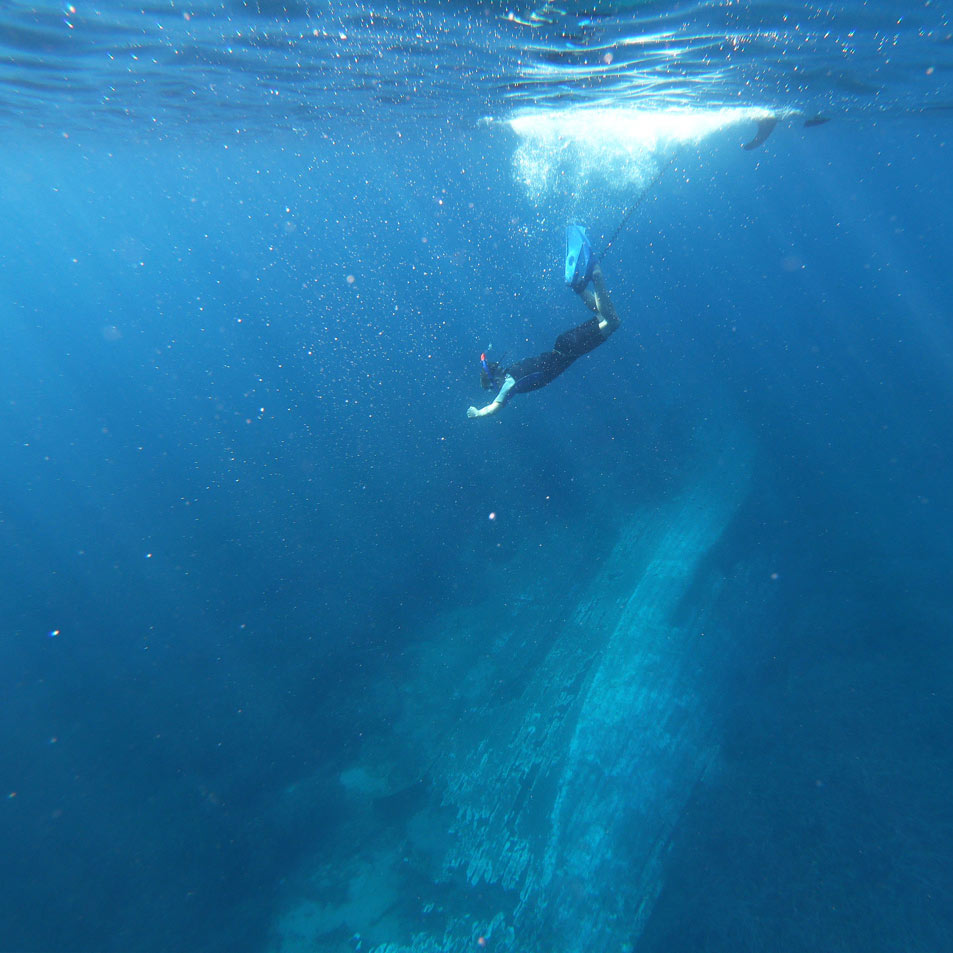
x: 532, y: 373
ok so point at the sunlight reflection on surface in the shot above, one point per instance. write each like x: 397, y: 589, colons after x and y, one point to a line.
x: 581, y: 149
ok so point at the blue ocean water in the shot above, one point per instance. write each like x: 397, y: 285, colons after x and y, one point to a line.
x: 296, y: 656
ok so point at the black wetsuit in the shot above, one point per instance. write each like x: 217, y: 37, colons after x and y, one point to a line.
x: 534, y: 372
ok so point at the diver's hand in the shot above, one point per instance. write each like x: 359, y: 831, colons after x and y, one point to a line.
x: 473, y: 412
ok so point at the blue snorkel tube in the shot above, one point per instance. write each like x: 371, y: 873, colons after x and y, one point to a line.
x: 487, y: 377
x: 580, y: 258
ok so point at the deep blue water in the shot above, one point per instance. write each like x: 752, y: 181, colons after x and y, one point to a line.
x: 245, y: 540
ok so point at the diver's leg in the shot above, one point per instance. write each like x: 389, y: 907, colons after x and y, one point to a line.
x: 609, y: 320
x: 589, y: 299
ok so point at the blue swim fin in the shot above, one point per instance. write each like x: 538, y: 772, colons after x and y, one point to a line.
x: 580, y: 258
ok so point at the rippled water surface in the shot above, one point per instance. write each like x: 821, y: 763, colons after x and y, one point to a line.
x: 262, y: 64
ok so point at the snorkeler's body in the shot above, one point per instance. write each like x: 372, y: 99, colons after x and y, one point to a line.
x: 534, y: 372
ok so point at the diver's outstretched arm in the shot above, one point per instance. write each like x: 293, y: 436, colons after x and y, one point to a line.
x: 493, y: 408
x: 498, y: 401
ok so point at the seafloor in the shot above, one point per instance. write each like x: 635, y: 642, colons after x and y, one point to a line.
x: 543, y: 746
